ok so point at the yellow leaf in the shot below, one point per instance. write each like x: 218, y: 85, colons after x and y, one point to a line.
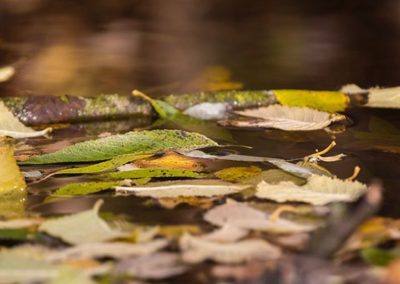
x: 171, y: 160
x: 202, y: 202
x: 12, y: 183
x: 237, y: 174
x: 328, y: 101
x: 175, y: 231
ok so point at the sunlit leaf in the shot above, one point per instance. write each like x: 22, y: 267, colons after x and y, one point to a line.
x: 319, y: 190
x: 196, y: 249
x: 20, y: 223
x: 11, y: 126
x: 184, y: 188
x: 84, y: 188
x: 6, y: 72
x: 171, y: 160
x: 286, y: 118
x: 135, y: 142
x: 83, y: 227
x: 238, y: 174
x: 245, y: 217
x: 321, y: 100
x: 12, y: 183
x: 153, y: 172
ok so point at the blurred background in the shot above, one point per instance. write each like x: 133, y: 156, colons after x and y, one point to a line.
x: 91, y: 47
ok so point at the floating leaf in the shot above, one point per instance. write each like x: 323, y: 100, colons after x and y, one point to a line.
x: 321, y: 100
x: 6, y: 72
x: 202, y: 202
x: 184, y: 188
x: 103, y: 166
x: 238, y: 174
x: 226, y: 234
x: 171, y: 160
x: 11, y: 126
x: 12, y: 183
x: 175, y: 231
x: 115, y: 250
x: 84, y: 188
x: 155, y: 266
x: 154, y: 172
x: 319, y: 190
x: 274, y: 176
x: 196, y: 249
x: 83, y: 227
x: 244, y: 217
x: 135, y: 142
x: 286, y: 118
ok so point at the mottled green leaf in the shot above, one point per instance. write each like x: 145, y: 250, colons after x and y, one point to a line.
x: 153, y: 172
x: 135, y: 142
x: 84, y: 188
x: 238, y: 174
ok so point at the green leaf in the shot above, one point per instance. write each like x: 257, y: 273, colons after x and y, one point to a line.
x: 14, y: 234
x: 238, y: 174
x: 11, y: 126
x: 12, y: 183
x: 135, y: 142
x: 322, y: 100
x: 103, y: 166
x: 83, y: 227
x: 377, y: 256
x: 274, y: 176
x: 163, y: 109
x: 154, y: 172
x: 84, y: 188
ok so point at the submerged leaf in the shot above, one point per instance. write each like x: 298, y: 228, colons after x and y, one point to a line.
x: 12, y: 183
x: 135, y: 142
x: 196, y: 249
x: 155, y: 266
x: 329, y: 101
x: 238, y: 174
x: 245, y: 217
x: 319, y: 190
x: 83, y: 227
x: 184, y: 188
x: 11, y: 126
x: 286, y: 118
x: 84, y: 188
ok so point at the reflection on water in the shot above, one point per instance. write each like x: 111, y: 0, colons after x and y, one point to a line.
x: 61, y: 47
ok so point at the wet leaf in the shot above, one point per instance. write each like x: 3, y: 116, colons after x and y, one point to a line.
x: 175, y: 231
x: 155, y: 266
x: 117, y: 250
x: 286, y: 118
x: 238, y: 174
x: 171, y: 160
x: 226, y: 234
x: 184, y: 188
x: 12, y: 183
x: 83, y: 227
x: 84, y: 188
x: 321, y: 100
x: 154, y: 173
x: 245, y: 217
x: 201, y: 202
x: 11, y: 126
x: 274, y: 176
x: 135, y: 142
x: 196, y: 249
x: 319, y: 190
x: 163, y: 109
x: 103, y: 166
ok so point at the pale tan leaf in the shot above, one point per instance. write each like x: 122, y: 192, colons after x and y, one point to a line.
x: 184, y: 188
x: 319, y: 190
x: 20, y: 223
x: 226, y: 234
x: 196, y: 249
x: 6, y: 73
x: 288, y: 118
x: 11, y: 126
x: 245, y: 217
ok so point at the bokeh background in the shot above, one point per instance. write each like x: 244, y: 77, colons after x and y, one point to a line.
x: 91, y: 47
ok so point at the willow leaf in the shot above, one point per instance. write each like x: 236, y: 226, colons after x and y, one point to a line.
x: 85, y: 188
x: 154, y: 172
x: 135, y: 142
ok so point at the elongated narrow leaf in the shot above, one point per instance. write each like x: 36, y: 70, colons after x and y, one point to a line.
x: 83, y: 227
x: 196, y: 249
x: 11, y: 126
x: 84, y: 188
x: 286, y: 118
x: 319, y: 190
x: 135, y: 142
x: 153, y: 172
x: 184, y: 188
x: 103, y: 166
